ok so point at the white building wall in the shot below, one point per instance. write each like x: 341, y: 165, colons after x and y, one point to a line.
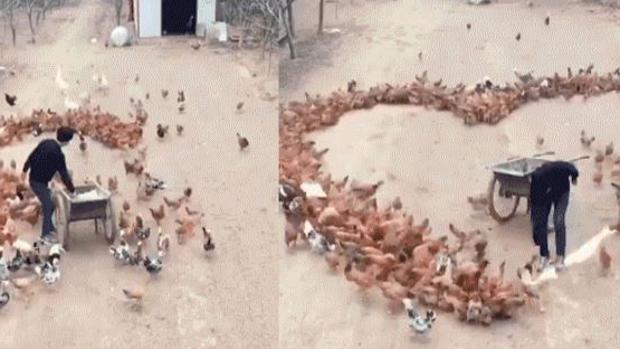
x: 205, y: 17
x: 149, y: 18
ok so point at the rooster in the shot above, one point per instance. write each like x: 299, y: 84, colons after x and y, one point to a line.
x: 10, y: 100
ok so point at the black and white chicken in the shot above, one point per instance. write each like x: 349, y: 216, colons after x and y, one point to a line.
x: 4, y: 299
x: 153, y: 265
x: 4, y: 270
x: 16, y: 263
x: 54, y: 252
x: 318, y: 242
x: 50, y: 272
x: 33, y: 258
x: 154, y: 183
x: 121, y: 252
x: 417, y: 322
x: 143, y: 233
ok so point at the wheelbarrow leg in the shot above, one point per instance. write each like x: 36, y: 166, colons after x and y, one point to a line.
x: 529, y: 207
x: 96, y: 227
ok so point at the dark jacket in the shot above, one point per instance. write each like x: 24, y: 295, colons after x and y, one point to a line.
x: 45, y: 160
x: 551, y: 180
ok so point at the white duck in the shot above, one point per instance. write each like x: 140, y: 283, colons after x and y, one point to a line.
x: 71, y: 105
x: 102, y: 82
x: 60, y: 82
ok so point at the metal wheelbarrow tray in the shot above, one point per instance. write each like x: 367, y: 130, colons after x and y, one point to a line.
x: 511, y: 180
x: 73, y: 209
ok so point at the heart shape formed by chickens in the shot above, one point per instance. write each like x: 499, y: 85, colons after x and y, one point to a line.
x: 388, y: 248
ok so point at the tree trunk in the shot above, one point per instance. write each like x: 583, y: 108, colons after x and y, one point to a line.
x: 30, y: 23
x: 321, y: 10
x: 118, y: 6
x: 289, y: 11
x: 289, y: 39
x: 12, y: 25
x: 46, y: 5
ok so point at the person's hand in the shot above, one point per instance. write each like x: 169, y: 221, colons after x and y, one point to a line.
x: 23, y: 176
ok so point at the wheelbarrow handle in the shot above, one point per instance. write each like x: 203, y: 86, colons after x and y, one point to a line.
x: 579, y: 158
x: 543, y: 154
x: 514, y: 158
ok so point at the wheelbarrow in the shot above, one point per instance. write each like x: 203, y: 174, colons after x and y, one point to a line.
x: 72, y: 208
x: 511, y: 181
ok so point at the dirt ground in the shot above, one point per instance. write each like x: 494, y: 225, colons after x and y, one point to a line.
x: 433, y: 162
x: 226, y: 300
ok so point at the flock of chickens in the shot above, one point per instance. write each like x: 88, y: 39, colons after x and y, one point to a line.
x: 17, y: 202
x: 385, y: 247
x: 100, y: 126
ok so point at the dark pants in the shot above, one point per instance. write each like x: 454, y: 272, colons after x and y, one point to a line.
x: 43, y: 193
x: 540, y: 216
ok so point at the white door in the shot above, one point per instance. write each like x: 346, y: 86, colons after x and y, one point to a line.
x: 205, y: 18
x: 149, y: 18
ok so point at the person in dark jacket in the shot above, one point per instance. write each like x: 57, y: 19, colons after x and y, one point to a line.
x: 44, y: 162
x: 550, y: 187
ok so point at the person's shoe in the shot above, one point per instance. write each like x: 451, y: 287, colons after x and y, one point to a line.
x: 544, y: 263
x: 559, y: 263
x: 49, y: 239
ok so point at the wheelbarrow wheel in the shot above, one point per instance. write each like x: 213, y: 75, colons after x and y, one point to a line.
x: 61, y: 221
x: 494, y: 196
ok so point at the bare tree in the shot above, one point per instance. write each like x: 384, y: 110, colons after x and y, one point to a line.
x: 8, y: 7
x: 43, y: 7
x: 321, y: 11
x: 289, y: 13
x: 118, y: 9
x: 286, y: 14
x: 29, y: 6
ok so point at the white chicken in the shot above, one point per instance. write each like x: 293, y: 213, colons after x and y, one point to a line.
x: 60, y: 82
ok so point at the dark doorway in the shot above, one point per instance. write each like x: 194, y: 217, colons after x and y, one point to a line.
x: 178, y: 17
